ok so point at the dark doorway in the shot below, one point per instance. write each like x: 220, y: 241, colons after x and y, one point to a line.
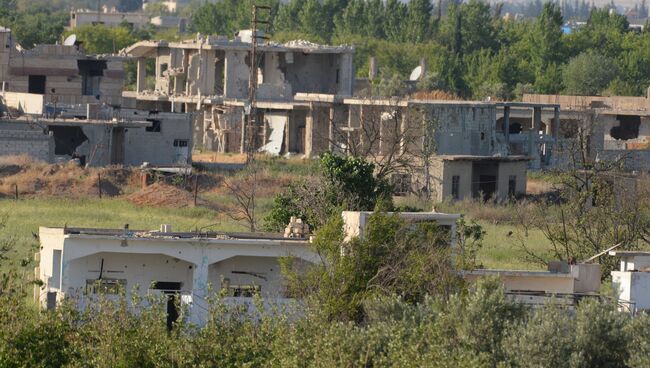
x: 172, y: 290
x: 36, y: 84
x: 484, y: 179
x: 117, y: 146
x: 487, y: 185
x: 91, y: 72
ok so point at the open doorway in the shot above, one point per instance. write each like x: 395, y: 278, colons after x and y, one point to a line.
x: 172, y: 291
x: 484, y: 180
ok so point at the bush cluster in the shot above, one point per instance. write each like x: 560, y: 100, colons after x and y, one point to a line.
x: 476, y: 328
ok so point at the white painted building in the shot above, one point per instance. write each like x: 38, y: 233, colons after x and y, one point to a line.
x: 77, y: 263
x: 562, y: 283
x: 632, y: 280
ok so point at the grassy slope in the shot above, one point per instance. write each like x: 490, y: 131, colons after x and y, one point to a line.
x: 25, y: 216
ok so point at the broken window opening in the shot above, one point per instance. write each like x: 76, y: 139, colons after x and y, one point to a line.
x: 36, y: 84
x: 155, y: 126
x: 67, y: 139
x: 163, y: 69
x: 91, y: 72
x: 628, y: 127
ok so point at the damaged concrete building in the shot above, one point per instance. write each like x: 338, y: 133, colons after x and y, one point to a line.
x: 58, y: 103
x: 602, y: 129
x: 305, y: 105
x: 210, y: 75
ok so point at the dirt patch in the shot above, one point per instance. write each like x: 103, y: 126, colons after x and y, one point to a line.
x: 536, y: 187
x: 434, y: 95
x: 162, y: 195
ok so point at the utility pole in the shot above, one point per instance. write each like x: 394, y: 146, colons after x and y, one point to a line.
x: 251, y: 109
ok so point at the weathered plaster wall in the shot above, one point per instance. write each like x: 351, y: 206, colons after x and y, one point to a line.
x: 158, y: 148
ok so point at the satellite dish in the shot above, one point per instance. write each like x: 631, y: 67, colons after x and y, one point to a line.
x: 416, y: 73
x: 70, y: 40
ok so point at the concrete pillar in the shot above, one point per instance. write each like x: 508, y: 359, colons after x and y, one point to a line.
x: 506, y: 125
x: 309, y: 131
x: 403, y: 131
x: 141, y: 83
x: 289, y: 135
x: 199, y: 308
x: 537, y: 119
x: 330, y: 133
x: 533, y: 150
x: 242, y: 146
x: 346, y: 75
x: 556, y: 123
x: 372, y: 68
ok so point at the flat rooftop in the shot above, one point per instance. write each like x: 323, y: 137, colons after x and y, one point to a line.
x: 481, y: 158
x: 155, y: 234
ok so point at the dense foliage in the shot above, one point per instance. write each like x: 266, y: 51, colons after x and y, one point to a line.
x: 341, y: 183
x: 479, y: 328
x: 471, y: 49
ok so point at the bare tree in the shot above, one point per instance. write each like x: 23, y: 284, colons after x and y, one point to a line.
x: 244, y: 191
x: 395, y: 136
x: 597, y: 206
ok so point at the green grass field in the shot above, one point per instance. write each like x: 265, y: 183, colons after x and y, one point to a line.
x: 25, y: 216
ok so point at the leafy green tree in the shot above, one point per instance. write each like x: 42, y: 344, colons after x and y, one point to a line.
x: 588, y: 74
x: 391, y: 258
x: 552, y: 325
x: 395, y: 20
x: 342, y: 183
x: 100, y: 39
x: 418, y: 20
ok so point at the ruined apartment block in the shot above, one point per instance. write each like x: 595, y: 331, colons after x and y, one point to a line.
x: 57, y: 103
x: 305, y: 106
x: 210, y: 76
x: 602, y: 129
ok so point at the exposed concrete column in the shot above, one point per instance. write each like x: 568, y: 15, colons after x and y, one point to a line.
x: 556, y: 123
x: 242, y: 147
x: 537, y: 118
x: 403, y: 140
x: 309, y: 131
x: 533, y: 138
x: 141, y: 83
x: 289, y: 135
x: 199, y: 307
x: 330, y: 133
x: 506, y: 125
x: 362, y: 139
x: 372, y: 68
x: 346, y: 74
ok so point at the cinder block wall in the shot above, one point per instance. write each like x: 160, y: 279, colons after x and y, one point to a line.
x: 15, y: 140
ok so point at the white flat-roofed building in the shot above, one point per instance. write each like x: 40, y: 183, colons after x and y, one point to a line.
x: 562, y: 282
x: 77, y: 263
x: 632, y: 280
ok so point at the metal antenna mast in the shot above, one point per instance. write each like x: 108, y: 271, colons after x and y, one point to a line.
x: 252, y: 81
